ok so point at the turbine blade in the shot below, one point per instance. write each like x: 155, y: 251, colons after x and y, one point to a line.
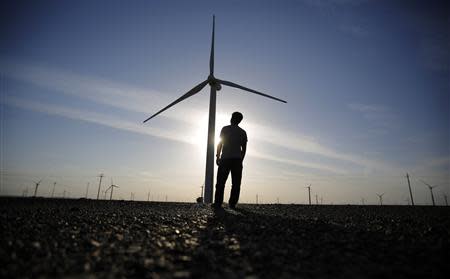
x: 191, y: 92
x: 425, y: 183
x: 211, y: 57
x: 231, y: 84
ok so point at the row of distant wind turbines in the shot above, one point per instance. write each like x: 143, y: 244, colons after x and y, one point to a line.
x: 380, y: 196
x: 109, y: 190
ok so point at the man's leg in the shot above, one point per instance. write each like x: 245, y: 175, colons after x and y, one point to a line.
x: 222, y: 175
x: 236, y: 176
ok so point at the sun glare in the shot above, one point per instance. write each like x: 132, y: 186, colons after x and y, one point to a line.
x: 199, y: 137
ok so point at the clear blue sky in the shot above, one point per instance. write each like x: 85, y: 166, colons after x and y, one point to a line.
x: 367, y: 85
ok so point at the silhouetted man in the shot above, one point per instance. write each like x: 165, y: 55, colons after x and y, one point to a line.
x: 230, y: 154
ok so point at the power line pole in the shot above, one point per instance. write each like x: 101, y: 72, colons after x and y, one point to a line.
x: 410, y: 192
x: 87, y: 190
x: 256, y: 198
x: 99, y: 186
x: 148, y: 196
x: 317, y: 200
x: 445, y: 198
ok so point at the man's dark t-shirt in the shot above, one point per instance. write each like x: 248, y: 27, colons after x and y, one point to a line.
x: 233, y: 137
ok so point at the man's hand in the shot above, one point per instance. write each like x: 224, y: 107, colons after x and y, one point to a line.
x: 218, y: 161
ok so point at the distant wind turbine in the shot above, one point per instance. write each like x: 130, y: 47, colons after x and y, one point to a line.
x: 25, y: 192
x: 99, y: 185
x: 410, y: 192
x: 53, y: 190
x: 36, y: 187
x: 148, y: 196
x: 380, y: 196
x: 431, y: 191
x: 362, y: 201
x: 445, y: 199
x: 215, y: 85
x: 309, y: 193
x: 111, y: 188
x: 87, y: 190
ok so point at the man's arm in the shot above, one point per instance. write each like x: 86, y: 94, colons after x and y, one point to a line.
x: 243, y: 150
x: 219, y: 150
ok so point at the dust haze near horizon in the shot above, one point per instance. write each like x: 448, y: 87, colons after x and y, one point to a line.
x: 367, y: 85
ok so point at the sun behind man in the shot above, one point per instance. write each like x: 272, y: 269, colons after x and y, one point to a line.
x: 230, y: 154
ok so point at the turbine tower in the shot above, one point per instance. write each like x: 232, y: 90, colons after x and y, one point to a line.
x: 410, y: 192
x: 380, y: 196
x: 431, y: 191
x: 215, y: 85
x: 99, y: 185
x: 53, y: 190
x: 111, y: 188
x: 309, y: 193
x: 36, y: 187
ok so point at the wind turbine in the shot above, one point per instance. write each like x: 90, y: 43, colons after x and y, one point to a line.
x: 215, y: 85
x: 410, y: 192
x: 111, y: 188
x: 53, y: 190
x: 99, y: 185
x: 36, y: 186
x: 309, y: 193
x: 380, y: 196
x: 431, y: 190
x: 25, y: 192
x: 445, y: 199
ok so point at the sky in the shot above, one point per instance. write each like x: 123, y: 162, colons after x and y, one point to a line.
x: 367, y: 86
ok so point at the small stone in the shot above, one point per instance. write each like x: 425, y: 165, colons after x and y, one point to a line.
x: 134, y: 249
x: 181, y: 274
x: 95, y: 243
x: 119, y: 236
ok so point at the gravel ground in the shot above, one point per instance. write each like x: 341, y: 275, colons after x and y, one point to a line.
x: 43, y: 238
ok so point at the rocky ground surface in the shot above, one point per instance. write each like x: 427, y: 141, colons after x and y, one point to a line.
x: 43, y: 238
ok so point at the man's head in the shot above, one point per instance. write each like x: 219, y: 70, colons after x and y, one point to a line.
x: 236, y: 118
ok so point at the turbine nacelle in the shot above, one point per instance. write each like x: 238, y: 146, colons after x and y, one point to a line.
x: 213, y: 82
